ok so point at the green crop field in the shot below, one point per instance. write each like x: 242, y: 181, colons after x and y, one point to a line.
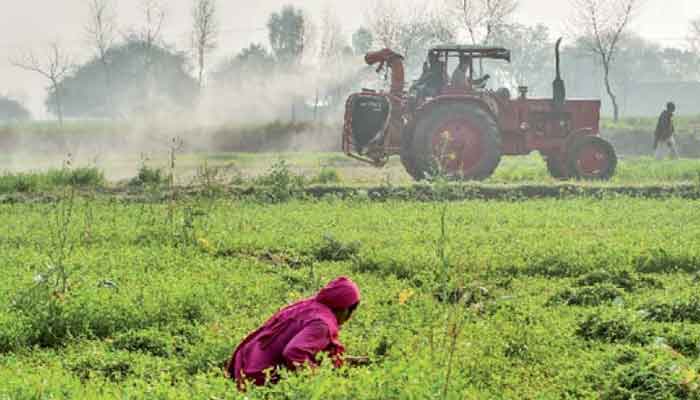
x: 109, y: 296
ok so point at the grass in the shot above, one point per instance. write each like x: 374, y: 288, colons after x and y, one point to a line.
x: 33, y: 182
x: 293, y: 173
x: 333, y: 168
x: 584, y: 298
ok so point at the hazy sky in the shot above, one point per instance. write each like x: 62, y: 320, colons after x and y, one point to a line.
x: 31, y: 24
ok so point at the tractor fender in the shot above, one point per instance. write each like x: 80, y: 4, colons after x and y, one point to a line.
x: 576, y: 134
x: 428, y: 106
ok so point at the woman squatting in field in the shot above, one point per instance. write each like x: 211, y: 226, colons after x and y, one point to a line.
x: 295, y: 335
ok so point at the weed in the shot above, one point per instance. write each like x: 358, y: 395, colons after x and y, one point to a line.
x: 209, y: 178
x: 624, y: 279
x: 383, y: 266
x: 614, y: 327
x: 279, y: 184
x: 554, y: 266
x: 686, y: 343
x: 651, y: 376
x: 332, y: 249
x: 150, y: 341
x: 62, y: 245
x: 115, y: 367
x: 586, y: 296
x: 468, y: 296
x: 53, y: 179
x: 148, y: 176
x: 81, y: 176
x: 327, y: 176
x: 455, y: 318
x: 661, y: 261
x: 677, y: 311
x: 516, y: 349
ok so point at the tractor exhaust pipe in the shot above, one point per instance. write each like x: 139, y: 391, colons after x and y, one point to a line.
x: 559, y: 89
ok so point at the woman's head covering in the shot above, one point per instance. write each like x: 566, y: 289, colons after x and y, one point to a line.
x: 339, y: 294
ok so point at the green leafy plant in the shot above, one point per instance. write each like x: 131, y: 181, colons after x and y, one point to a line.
x: 148, y: 176
x: 332, y: 249
x: 612, y: 327
x: 279, y: 184
x: 681, y: 310
x: 653, y: 375
x: 587, y: 296
x: 327, y: 176
x: 624, y: 279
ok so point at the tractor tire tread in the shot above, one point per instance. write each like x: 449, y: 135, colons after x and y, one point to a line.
x: 422, y: 146
x: 576, y: 146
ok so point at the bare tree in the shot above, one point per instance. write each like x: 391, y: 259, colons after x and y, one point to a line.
x: 600, y: 25
x: 101, y: 31
x: 384, y: 25
x: 149, y: 34
x: 407, y: 27
x: 481, y: 18
x: 531, y: 48
x: 331, y: 39
x: 54, y: 68
x: 332, y: 47
x: 694, y: 37
x: 204, y: 33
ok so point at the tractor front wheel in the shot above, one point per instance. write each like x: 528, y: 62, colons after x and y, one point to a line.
x: 591, y: 158
x: 456, y: 140
x: 557, y: 166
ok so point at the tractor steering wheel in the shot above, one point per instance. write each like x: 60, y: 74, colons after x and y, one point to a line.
x: 481, y: 82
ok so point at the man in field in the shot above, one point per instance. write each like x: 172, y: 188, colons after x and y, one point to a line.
x: 663, y: 136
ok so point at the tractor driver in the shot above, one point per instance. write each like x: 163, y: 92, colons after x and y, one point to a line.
x: 433, y: 78
x: 460, y: 75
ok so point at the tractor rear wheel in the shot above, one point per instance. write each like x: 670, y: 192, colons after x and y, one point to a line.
x: 591, y: 158
x: 456, y: 140
x: 557, y: 166
x: 407, y: 158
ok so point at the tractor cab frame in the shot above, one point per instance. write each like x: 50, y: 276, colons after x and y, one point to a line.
x: 459, y: 53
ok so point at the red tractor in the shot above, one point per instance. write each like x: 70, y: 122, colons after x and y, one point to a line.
x: 458, y: 128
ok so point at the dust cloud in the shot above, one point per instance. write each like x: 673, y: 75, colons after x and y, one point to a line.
x: 252, y: 113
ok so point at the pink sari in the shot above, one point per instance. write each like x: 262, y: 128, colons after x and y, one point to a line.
x: 294, y: 335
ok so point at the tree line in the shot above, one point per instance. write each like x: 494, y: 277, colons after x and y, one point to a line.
x: 138, y: 71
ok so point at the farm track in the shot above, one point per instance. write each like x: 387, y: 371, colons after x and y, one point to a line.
x: 421, y: 193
